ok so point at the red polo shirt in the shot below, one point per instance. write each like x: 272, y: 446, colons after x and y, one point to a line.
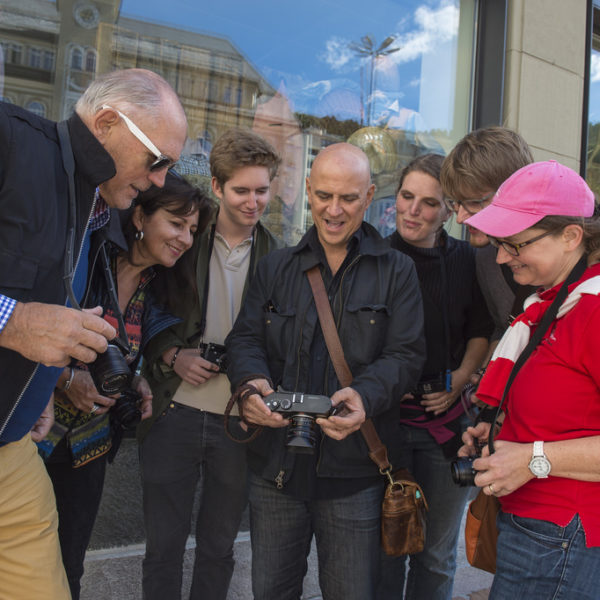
x: 556, y: 396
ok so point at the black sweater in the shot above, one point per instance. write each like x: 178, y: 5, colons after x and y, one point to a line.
x: 467, y: 310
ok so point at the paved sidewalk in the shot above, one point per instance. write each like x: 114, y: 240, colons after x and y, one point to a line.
x: 115, y: 573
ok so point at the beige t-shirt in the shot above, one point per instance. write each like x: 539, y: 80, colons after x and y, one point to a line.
x: 227, y: 276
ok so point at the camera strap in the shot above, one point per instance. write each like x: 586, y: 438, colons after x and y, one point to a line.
x: 69, y: 166
x: 122, y: 341
x: 377, y: 450
x: 537, y: 336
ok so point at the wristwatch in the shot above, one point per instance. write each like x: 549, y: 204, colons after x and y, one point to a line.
x: 539, y: 464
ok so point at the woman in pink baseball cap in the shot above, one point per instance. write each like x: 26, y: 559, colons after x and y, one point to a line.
x: 545, y: 465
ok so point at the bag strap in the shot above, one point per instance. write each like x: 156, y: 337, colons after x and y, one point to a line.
x: 377, y: 449
x: 537, y: 336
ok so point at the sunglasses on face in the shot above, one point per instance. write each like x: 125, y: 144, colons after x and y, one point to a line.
x: 513, y: 249
x: 471, y: 206
x: 162, y: 161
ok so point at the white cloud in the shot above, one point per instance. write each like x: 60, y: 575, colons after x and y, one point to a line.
x: 433, y: 26
x: 337, y: 53
x: 595, y: 68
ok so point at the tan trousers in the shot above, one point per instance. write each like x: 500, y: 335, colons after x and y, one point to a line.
x: 30, y: 560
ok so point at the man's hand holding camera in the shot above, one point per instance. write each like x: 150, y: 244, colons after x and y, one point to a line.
x: 257, y: 412
x: 348, y: 419
x: 53, y: 334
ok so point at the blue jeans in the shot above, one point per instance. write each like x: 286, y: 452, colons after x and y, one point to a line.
x: 346, y: 531
x: 538, y: 559
x: 183, y: 446
x: 431, y: 572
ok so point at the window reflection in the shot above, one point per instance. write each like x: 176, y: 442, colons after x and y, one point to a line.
x: 394, y: 79
x: 593, y: 142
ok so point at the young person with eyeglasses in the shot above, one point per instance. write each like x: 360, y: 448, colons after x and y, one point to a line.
x: 544, y: 468
x: 471, y: 173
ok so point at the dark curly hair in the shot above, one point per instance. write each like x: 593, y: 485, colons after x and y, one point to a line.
x: 176, y: 285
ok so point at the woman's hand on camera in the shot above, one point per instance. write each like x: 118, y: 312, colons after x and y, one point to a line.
x: 83, y: 394
x: 142, y: 387
x: 474, y: 438
x: 191, y: 367
x: 440, y: 402
x: 507, y: 469
x: 349, y: 419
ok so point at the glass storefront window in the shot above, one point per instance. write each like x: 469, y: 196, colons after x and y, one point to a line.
x: 394, y: 78
x: 593, y: 139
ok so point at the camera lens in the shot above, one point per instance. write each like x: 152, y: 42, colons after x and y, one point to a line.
x: 302, y: 434
x: 462, y: 470
x: 110, y: 372
x: 125, y: 412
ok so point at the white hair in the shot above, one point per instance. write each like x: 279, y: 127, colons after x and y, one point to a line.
x: 137, y: 89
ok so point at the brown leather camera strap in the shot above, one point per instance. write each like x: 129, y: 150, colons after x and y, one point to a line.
x: 377, y: 450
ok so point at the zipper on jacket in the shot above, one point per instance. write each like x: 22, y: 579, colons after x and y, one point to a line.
x: 37, y: 365
x: 16, y: 404
x: 279, y: 479
x: 337, y: 324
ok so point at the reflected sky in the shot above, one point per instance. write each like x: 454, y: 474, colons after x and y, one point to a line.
x: 306, y: 52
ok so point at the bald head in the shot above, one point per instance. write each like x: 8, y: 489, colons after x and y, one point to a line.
x: 343, y: 156
x: 339, y: 191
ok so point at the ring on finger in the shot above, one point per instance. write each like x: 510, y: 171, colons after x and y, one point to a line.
x: 95, y: 407
x: 491, y: 488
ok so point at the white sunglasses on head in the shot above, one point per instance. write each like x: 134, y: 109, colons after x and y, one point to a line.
x: 162, y: 161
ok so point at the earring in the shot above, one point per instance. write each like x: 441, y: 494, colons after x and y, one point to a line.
x: 139, y: 236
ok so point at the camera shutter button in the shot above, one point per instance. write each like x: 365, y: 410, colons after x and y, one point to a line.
x: 273, y: 404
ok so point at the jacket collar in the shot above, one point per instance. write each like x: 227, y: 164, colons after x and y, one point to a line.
x: 92, y: 160
x: 370, y: 243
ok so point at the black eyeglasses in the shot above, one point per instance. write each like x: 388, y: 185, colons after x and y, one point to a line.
x: 472, y: 206
x: 513, y: 249
x: 162, y: 161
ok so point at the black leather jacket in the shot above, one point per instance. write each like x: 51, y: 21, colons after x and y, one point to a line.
x: 380, y: 323
x: 34, y: 219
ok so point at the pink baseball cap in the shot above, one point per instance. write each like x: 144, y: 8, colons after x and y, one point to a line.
x: 532, y: 193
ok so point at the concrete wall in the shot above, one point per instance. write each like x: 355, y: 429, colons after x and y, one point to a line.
x: 545, y: 58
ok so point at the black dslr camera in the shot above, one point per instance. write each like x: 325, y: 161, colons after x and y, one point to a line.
x: 302, y: 410
x: 463, y: 473
x: 111, y: 375
x: 215, y: 353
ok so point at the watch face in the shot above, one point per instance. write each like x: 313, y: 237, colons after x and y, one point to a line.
x: 539, y: 466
